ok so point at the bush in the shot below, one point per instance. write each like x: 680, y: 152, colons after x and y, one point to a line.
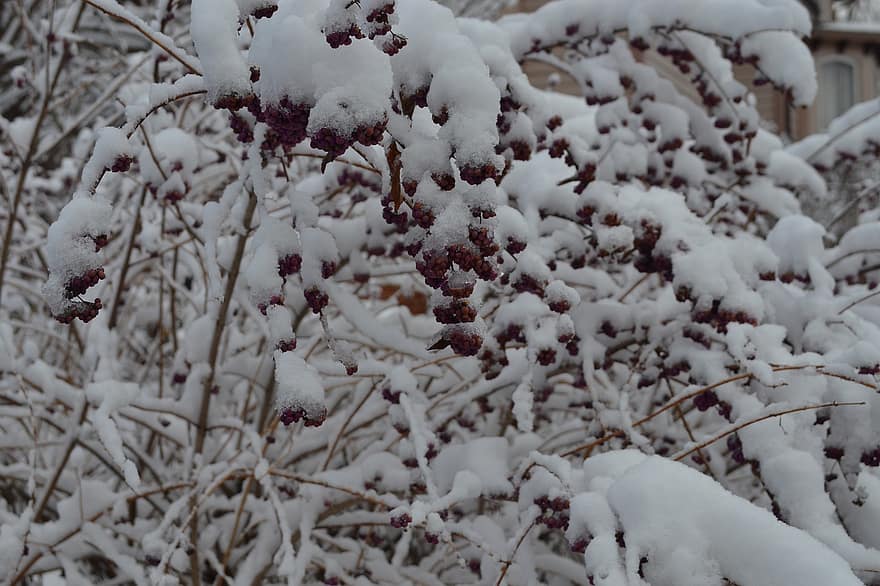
x: 343, y: 298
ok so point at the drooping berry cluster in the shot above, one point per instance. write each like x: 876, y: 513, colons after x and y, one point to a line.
x: 265, y: 9
x: 341, y: 26
x: 422, y: 215
x: 288, y: 345
x: 316, y: 298
x: 343, y: 37
x: 277, y: 299
x: 401, y: 521
x: 289, y: 264
x: 475, y: 174
x: 554, y: 512
x: 379, y: 18
x: 121, y: 164
x: 465, y: 341
x: 455, y: 311
x: 392, y: 43
x: 79, y: 284
x: 335, y: 141
x: 85, y: 311
x: 290, y: 415
x: 287, y: 120
x: 243, y: 131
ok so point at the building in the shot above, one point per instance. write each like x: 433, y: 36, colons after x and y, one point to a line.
x: 847, y: 56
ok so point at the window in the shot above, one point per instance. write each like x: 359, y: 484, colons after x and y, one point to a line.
x: 837, y: 88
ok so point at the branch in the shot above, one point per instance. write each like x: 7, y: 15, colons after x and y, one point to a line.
x: 733, y: 429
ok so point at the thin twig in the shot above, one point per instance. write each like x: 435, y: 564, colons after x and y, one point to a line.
x: 681, y: 456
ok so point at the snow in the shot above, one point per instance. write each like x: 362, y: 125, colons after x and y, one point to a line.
x: 299, y: 385
x: 112, y: 397
x: 698, y: 531
x: 523, y: 404
x: 848, y: 135
x: 468, y: 332
x: 486, y: 458
x: 111, y: 144
x: 214, y: 31
x: 713, y: 17
x: 785, y: 60
x: 70, y: 246
x: 795, y: 240
x: 175, y: 151
x: 12, y: 543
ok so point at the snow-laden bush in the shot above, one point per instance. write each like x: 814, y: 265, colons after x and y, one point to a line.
x: 345, y: 299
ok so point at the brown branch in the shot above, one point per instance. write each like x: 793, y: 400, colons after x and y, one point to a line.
x: 148, y: 34
x: 220, y: 324
x: 509, y: 562
x: 857, y: 301
x: 739, y: 426
x: 126, y: 263
x: 345, y: 425
x: 28, y: 159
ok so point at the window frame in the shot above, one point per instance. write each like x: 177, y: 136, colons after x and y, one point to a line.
x: 821, y: 63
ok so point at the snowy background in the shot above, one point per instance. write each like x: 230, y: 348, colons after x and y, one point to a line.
x: 328, y: 292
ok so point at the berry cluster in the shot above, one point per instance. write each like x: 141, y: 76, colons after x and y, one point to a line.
x: 392, y: 397
x: 79, y: 284
x: 331, y: 141
x: 463, y: 341
x: 512, y: 333
x: 334, y: 142
x: 394, y: 216
x: 289, y: 264
x: 392, y: 44
x: 514, y: 245
x: 290, y: 415
x: 526, y: 283
x: 422, y: 215
x: 288, y: 345
x: 734, y: 444
x: 433, y: 265
x: 277, y: 299
x: 545, y: 356
x: 85, y: 311
x: 401, y: 521
x: 316, y: 298
x: 265, y: 11
x: 476, y: 174
x: 482, y: 237
x: 871, y: 458
x: 286, y: 120
x: 705, y: 401
x: 234, y: 102
x: 243, y: 131
x: 100, y: 241
x: 720, y: 318
x: 339, y: 38
x: 379, y: 19
x: 121, y: 164
x: 579, y: 545
x: 455, y: 311
x: 554, y: 512
x: 459, y: 284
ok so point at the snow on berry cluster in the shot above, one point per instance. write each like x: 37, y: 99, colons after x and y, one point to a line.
x: 74, y: 244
